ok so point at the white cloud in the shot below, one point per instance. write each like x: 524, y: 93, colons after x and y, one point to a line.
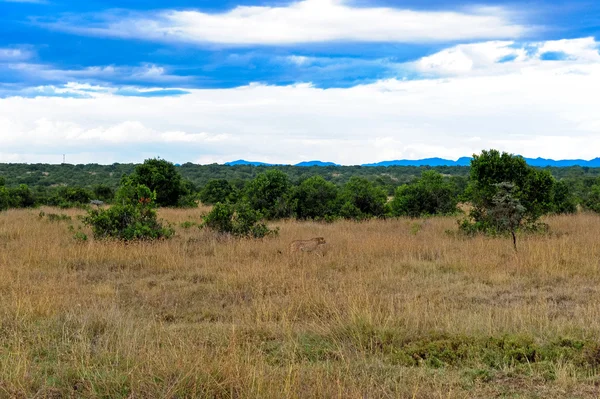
x: 525, y: 106
x: 299, y: 59
x: 26, y: 1
x: 309, y: 21
x: 14, y: 54
x: 498, y: 57
x: 149, y: 73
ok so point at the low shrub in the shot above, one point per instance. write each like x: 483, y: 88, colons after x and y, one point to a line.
x: 132, y: 218
x: 237, y: 220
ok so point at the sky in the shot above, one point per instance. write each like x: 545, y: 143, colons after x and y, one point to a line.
x: 345, y: 81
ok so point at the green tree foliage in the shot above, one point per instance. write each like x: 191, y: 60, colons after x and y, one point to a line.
x: 315, y: 198
x: 133, y: 217
x: 269, y: 194
x: 239, y: 220
x: 4, y: 199
x: 68, y: 197
x: 564, y: 200
x: 505, y: 215
x: 17, y: 197
x: 103, y: 192
x: 21, y: 197
x: 492, y: 172
x: 361, y: 199
x: 163, y: 178
x: 216, y: 190
x: 592, y: 199
x: 429, y: 195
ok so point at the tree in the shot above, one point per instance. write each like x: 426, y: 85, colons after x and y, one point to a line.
x: 315, y: 198
x: 163, y: 178
x: 361, y: 199
x: 490, y: 171
x: 4, y: 199
x: 268, y: 193
x: 537, y: 194
x: 592, y: 200
x: 21, y: 197
x: 429, y: 195
x: 507, y: 212
x: 564, y: 200
x: 491, y: 168
x: 216, y: 190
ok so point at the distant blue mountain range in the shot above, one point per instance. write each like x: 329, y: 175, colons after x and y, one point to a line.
x: 242, y: 162
x: 307, y: 163
x: 464, y: 161
x: 424, y: 162
x: 316, y: 163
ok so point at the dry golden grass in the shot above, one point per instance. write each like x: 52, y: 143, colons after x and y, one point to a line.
x: 395, y: 308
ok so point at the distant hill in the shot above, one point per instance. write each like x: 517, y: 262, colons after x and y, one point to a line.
x: 316, y: 163
x: 423, y: 162
x: 306, y: 163
x: 243, y: 162
x: 464, y: 161
x: 541, y: 162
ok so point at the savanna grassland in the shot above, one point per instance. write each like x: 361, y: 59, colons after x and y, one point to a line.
x: 395, y: 308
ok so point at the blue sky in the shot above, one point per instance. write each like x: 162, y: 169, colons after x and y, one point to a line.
x: 280, y: 81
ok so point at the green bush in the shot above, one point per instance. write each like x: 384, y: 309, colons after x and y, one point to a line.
x: 592, y: 200
x: 269, y: 194
x: 70, y: 197
x: 103, y: 193
x: 315, y: 198
x: 216, y: 190
x: 133, y: 217
x: 564, y: 200
x: 361, y: 199
x: 238, y: 220
x: 18, y: 197
x: 4, y: 199
x: 429, y: 195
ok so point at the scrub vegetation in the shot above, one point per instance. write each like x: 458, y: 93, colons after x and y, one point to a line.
x: 411, y: 295
x: 389, y: 311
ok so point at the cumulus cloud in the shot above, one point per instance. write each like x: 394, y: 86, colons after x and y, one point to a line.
x: 307, y: 21
x: 498, y: 57
x: 512, y: 100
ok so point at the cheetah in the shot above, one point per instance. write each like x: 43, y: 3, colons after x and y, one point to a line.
x: 312, y: 245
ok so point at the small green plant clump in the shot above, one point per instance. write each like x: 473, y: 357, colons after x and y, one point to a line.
x: 53, y: 217
x: 238, y: 220
x: 133, y: 217
x: 80, y: 237
x: 188, y: 224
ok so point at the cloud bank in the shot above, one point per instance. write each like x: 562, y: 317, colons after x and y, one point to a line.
x: 484, y: 95
x: 307, y: 21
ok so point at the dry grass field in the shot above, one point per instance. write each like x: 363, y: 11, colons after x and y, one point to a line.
x: 394, y: 309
